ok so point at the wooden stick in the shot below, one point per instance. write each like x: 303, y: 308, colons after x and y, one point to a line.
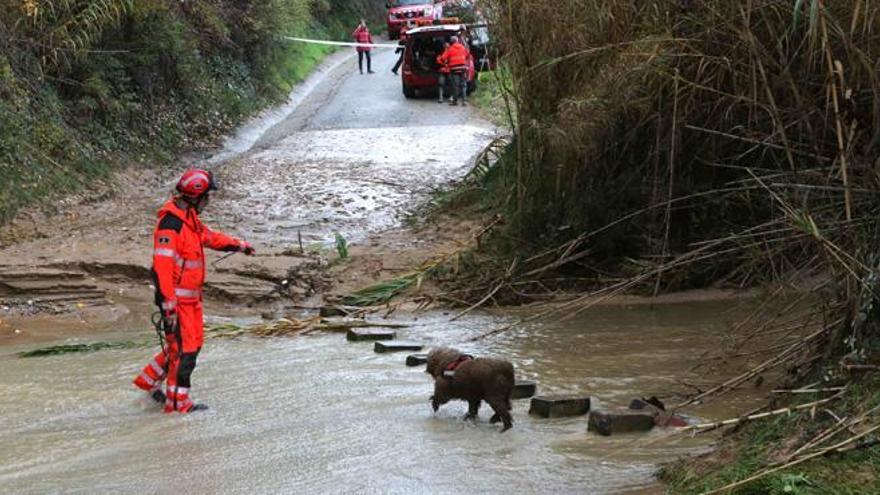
x: 777, y: 412
x: 770, y: 363
x: 808, y: 390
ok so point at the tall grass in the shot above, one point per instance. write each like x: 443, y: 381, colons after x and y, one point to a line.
x: 665, y: 144
x: 705, y: 120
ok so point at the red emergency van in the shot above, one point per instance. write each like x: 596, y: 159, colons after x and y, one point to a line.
x: 423, y: 44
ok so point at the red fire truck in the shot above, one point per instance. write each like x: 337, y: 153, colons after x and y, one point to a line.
x: 401, y: 12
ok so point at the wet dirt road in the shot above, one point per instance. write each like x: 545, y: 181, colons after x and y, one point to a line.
x: 351, y: 158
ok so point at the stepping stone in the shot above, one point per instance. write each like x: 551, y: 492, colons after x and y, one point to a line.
x: 557, y: 406
x: 328, y: 311
x: 667, y: 420
x: 523, y: 389
x: 613, y: 421
x: 416, y: 359
x: 643, y: 405
x: 397, y: 345
x: 369, y: 334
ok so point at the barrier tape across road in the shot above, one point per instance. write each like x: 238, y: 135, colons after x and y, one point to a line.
x: 342, y: 43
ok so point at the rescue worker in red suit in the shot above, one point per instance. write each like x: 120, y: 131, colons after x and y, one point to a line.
x: 178, y: 274
x: 456, y: 57
x: 444, y: 77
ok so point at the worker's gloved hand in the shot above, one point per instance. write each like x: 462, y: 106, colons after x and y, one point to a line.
x: 169, y: 318
x: 247, y: 249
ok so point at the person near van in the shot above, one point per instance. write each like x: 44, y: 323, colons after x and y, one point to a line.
x: 456, y: 57
x: 362, y: 36
x: 401, y: 48
x: 444, y: 77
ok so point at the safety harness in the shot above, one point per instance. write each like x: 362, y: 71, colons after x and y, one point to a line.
x: 461, y: 359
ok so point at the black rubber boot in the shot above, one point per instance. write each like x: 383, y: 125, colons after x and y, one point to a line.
x: 158, y: 396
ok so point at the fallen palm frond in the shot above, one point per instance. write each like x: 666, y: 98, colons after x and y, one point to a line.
x: 279, y: 328
x: 382, y: 292
x: 79, y: 348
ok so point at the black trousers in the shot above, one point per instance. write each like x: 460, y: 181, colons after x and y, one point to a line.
x: 361, y: 62
x: 399, y: 60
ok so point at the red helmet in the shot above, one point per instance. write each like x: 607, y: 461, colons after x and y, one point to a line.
x: 196, y: 182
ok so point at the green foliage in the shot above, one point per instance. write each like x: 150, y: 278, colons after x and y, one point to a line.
x: 380, y: 293
x: 764, y: 442
x: 341, y: 245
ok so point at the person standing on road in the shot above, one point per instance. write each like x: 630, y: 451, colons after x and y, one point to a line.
x: 401, y: 48
x: 456, y: 58
x: 362, y: 36
x: 178, y: 275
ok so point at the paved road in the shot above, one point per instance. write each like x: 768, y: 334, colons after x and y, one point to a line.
x: 350, y: 158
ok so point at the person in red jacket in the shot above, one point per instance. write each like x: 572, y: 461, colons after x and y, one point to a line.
x: 362, y: 35
x: 456, y: 57
x: 178, y: 274
x: 443, y: 79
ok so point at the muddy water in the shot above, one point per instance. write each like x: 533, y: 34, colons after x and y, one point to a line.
x: 320, y: 414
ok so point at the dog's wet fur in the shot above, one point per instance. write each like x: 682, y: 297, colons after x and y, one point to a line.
x: 475, y: 380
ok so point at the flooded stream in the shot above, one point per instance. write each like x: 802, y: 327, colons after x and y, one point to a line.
x: 316, y: 413
x: 319, y: 414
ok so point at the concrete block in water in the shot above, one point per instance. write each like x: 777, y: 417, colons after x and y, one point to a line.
x: 416, y: 359
x: 557, y: 406
x: 396, y: 345
x: 523, y: 389
x: 365, y: 334
x: 613, y: 421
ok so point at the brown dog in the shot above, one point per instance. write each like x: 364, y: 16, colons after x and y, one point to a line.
x: 459, y: 376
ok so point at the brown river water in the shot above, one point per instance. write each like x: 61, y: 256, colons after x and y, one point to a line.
x: 317, y: 413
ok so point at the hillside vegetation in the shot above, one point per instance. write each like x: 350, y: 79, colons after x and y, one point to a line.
x: 661, y: 145
x: 86, y: 85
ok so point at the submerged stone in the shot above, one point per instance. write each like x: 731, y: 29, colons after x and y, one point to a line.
x: 667, y: 420
x: 653, y: 405
x: 523, y: 389
x: 557, y: 406
x: 365, y: 334
x: 416, y: 359
x: 608, y: 422
x: 396, y: 345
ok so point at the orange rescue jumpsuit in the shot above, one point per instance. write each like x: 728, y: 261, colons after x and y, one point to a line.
x: 178, y: 274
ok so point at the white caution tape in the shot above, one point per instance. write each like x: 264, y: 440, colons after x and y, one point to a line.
x: 342, y: 43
